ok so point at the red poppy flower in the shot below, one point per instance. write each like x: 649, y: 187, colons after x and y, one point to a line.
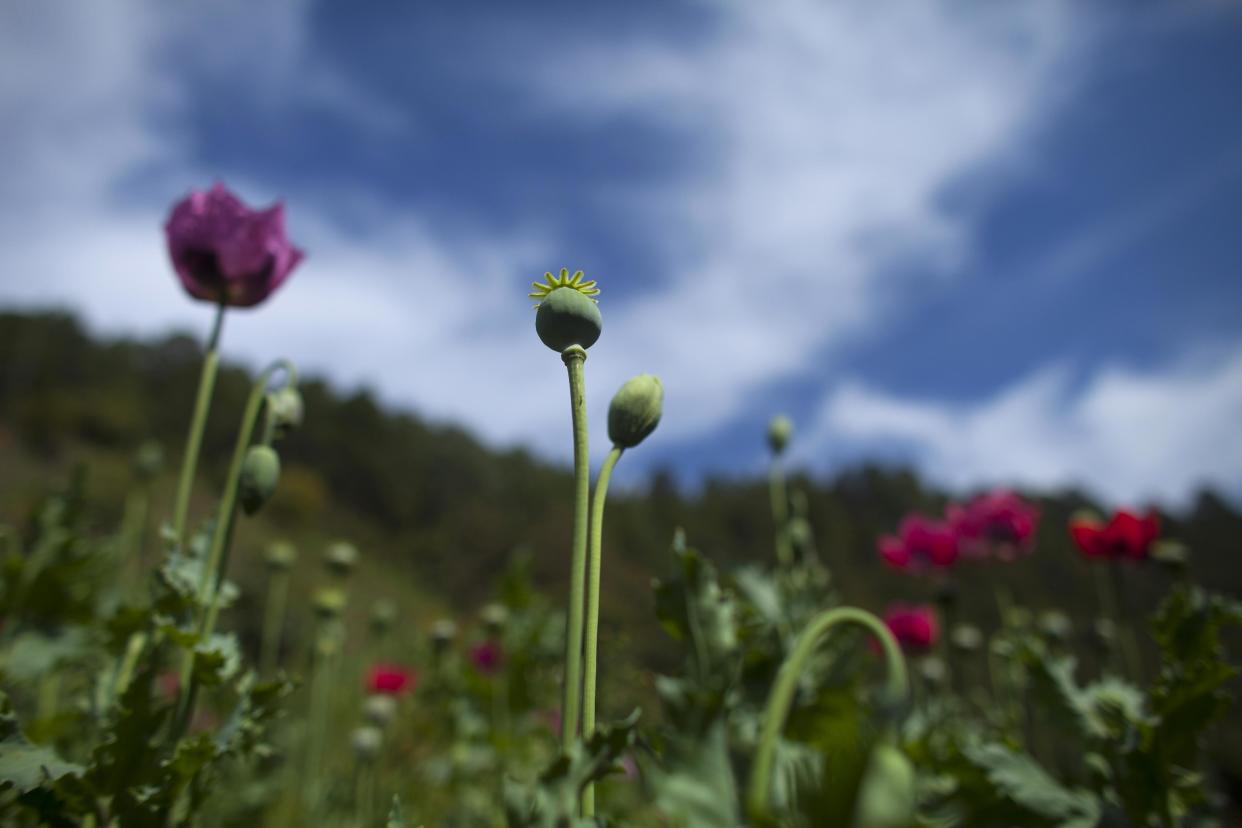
x: 914, y: 626
x: 920, y: 542
x: 997, y: 523
x: 487, y: 657
x: 391, y: 678
x: 1126, y: 536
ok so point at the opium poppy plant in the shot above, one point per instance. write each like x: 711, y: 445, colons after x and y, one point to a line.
x: 997, y: 523
x: 1126, y: 535
x: 919, y: 543
x: 391, y: 678
x: 915, y: 627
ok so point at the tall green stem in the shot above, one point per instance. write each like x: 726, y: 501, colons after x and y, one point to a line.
x: 274, y: 620
x: 574, y: 357
x: 194, y: 441
x: 592, y: 609
x: 781, y: 698
x: 780, y: 512
x: 212, y: 574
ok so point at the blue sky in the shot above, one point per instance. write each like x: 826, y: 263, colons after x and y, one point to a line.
x: 1000, y: 242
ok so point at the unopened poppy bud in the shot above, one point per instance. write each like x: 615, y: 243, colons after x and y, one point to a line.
x: 934, y: 671
x: 284, y: 409
x: 367, y: 742
x: 967, y: 638
x: 1172, y: 555
x: 494, y: 617
x: 281, y: 556
x: 383, y: 614
x: 779, y: 432
x: 260, y: 473
x: 442, y: 634
x: 148, y: 460
x: 341, y: 558
x: 1103, y: 634
x: 567, y: 317
x: 635, y: 410
x: 1055, y: 625
x: 329, y: 603
x: 379, y: 709
x: 886, y: 798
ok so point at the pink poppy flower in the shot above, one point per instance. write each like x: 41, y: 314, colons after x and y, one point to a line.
x: 487, y: 657
x: 1126, y: 536
x: 997, y: 523
x: 914, y: 626
x: 391, y: 678
x: 919, y: 543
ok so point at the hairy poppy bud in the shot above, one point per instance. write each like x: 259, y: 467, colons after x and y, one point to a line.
x: 329, y: 603
x: 886, y: 798
x: 568, y: 317
x: 635, y: 410
x: 367, y: 742
x: 779, y: 432
x: 379, y: 709
x: 494, y: 617
x: 284, y: 409
x: 148, y: 460
x: 341, y: 558
x: 259, y: 474
x: 281, y: 556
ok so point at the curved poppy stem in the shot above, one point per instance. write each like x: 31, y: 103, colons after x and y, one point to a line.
x: 592, y: 609
x: 781, y: 697
x: 198, y: 423
x: 212, y: 574
x: 574, y: 357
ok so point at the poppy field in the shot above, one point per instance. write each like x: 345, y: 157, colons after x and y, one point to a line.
x: 144, y: 682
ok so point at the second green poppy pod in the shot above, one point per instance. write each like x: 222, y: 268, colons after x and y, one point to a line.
x: 635, y: 410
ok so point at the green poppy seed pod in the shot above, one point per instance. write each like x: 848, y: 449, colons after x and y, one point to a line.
x: 329, y: 603
x: 383, y: 616
x: 379, y: 709
x: 568, y: 317
x: 1055, y: 625
x: 887, y: 796
x: 148, y: 460
x: 341, y: 558
x: 635, y: 410
x: 779, y: 432
x: 367, y: 742
x: 442, y: 634
x: 967, y: 638
x: 260, y: 473
x: 281, y: 556
x: 933, y: 671
x: 1172, y: 555
x: 494, y: 618
x: 284, y: 409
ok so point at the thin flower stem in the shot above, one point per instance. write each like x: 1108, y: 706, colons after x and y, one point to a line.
x: 212, y: 574
x: 780, y: 512
x: 781, y: 698
x: 198, y: 422
x: 592, y: 610
x: 1121, y: 618
x: 274, y: 620
x: 574, y: 357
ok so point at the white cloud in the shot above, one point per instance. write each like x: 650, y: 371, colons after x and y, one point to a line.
x: 1126, y: 435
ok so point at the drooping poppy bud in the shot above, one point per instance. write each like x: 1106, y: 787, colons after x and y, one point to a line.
x: 341, y: 558
x: 281, y: 556
x: 887, y: 796
x: 780, y: 430
x: 567, y: 314
x: 635, y: 410
x: 260, y: 473
x: 285, y: 410
x: 227, y: 253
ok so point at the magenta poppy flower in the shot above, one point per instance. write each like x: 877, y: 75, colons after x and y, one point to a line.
x: 487, y: 657
x: 391, y: 679
x: 919, y: 543
x: 914, y: 626
x: 225, y: 252
x: 997, y: 523
x: 1126, y: 536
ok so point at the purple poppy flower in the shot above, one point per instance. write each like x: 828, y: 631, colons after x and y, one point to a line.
x: 226, y: 252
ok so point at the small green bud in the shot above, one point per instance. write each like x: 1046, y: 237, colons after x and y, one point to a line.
x: 383, y: 615
x: 341, y: 558
x: 367, y: 742
x: 887, y: 796
x: 494, y: 618
x: 1055, y: 625
x: 635, y: 410
x: 281, y: 556
x: 568, y: 317
x: 285, y: 410
x: 329, y: 603
x: 934, y: 671
x: 442, y: 634
x: 967, y: 638
x: 379, y: 709
x: 779, y: 432
x: 1171, y: 555
x: 148, y: 460
x: 260, y: 473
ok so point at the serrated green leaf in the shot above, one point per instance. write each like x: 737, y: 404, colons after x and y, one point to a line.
x: 1021, y: 779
